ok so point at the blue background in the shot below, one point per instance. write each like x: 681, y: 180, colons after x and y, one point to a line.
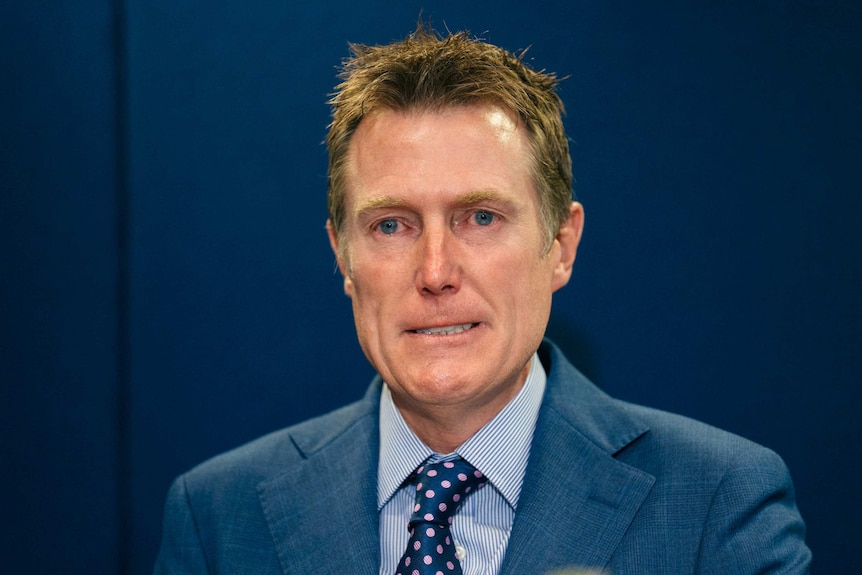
x: 167, y: 290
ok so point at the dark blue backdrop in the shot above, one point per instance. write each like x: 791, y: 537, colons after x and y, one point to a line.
x: 167, y: 291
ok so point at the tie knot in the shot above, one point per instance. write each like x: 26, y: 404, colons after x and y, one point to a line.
x: 441, y: 488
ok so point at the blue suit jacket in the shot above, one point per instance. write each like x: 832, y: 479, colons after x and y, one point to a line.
x: 608, y: 485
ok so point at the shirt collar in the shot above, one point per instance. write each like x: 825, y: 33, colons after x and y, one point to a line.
x: 499, y: 450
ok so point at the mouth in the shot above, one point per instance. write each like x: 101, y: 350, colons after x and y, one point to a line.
x: 446, y: 329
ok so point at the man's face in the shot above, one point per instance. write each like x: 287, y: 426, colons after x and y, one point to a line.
x: 443, y: 257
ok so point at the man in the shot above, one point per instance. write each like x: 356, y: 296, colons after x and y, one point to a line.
x: 479, y: 449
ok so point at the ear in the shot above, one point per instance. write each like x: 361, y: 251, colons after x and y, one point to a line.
x: 568, y: 239
x: 339, y: 258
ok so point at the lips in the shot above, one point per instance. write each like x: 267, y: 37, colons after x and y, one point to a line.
x: 446, y: 329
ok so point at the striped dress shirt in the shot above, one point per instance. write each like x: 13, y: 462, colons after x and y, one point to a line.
x: 500, y: 450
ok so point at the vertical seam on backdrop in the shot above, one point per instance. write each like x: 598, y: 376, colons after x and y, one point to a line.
x: 123, y: 335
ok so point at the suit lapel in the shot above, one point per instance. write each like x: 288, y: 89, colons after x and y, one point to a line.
x: 334, y: 486
x: 575, y: 505
x: 577, y: 500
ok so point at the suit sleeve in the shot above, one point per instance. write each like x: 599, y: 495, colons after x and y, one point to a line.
x: 753, y: 525
x: 181, y: 552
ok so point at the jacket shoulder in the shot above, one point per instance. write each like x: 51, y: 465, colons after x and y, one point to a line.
x: 271, y: 454
x: 636, y: 433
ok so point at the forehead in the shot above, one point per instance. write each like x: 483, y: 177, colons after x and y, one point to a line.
x: 454, y: 149
x: 465, y: 118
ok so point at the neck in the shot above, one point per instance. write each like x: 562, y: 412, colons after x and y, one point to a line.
x: 444, y: 433
x: 444, y: 428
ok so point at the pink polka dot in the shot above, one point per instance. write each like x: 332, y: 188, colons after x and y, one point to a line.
x: 442, y: 507
x: 429, y: 532
x: 416, y: 508
x: 467, y: 490
x: 418, y: 486
x: 449, y: 465
x: 448, y: 541
x: 450, y: 565
x: 429, y: 517
x: 429, y: 494
x: 407, y: 561
x: 427, y: 559
x: 440, y: 549
x: 462, y: 476
x: 446, y: 483
x: 439, y: 573
x: 456, y: 498
x: 415, y: 572
x: 417, y: 545
x: 477, y: 473
x: 432, y: 473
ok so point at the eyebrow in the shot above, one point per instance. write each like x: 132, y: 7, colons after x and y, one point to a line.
x: 386, y: 202
x: 377, y: 203
x: 480, y: 197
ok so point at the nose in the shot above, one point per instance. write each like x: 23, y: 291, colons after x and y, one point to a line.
x: 438, y: 271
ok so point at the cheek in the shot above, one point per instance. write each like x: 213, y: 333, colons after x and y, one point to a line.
x: 367, y: 281
x: 537, y: 285
x: 368, y: 292
x: 364, y: 316
x: 528, y: 273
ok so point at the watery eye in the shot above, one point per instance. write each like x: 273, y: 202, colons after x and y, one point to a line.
x: 388, y: 226
x: 483, y: 218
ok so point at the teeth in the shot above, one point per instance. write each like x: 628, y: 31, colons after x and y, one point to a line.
x: 447, y: 330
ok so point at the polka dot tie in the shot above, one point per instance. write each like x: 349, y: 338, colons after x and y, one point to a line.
x: 440, y: 489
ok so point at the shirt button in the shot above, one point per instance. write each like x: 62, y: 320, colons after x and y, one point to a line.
x: 460, y: 552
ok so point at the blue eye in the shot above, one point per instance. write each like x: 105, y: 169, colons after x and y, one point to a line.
x: 388, y: 227
x: 483, y: 218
